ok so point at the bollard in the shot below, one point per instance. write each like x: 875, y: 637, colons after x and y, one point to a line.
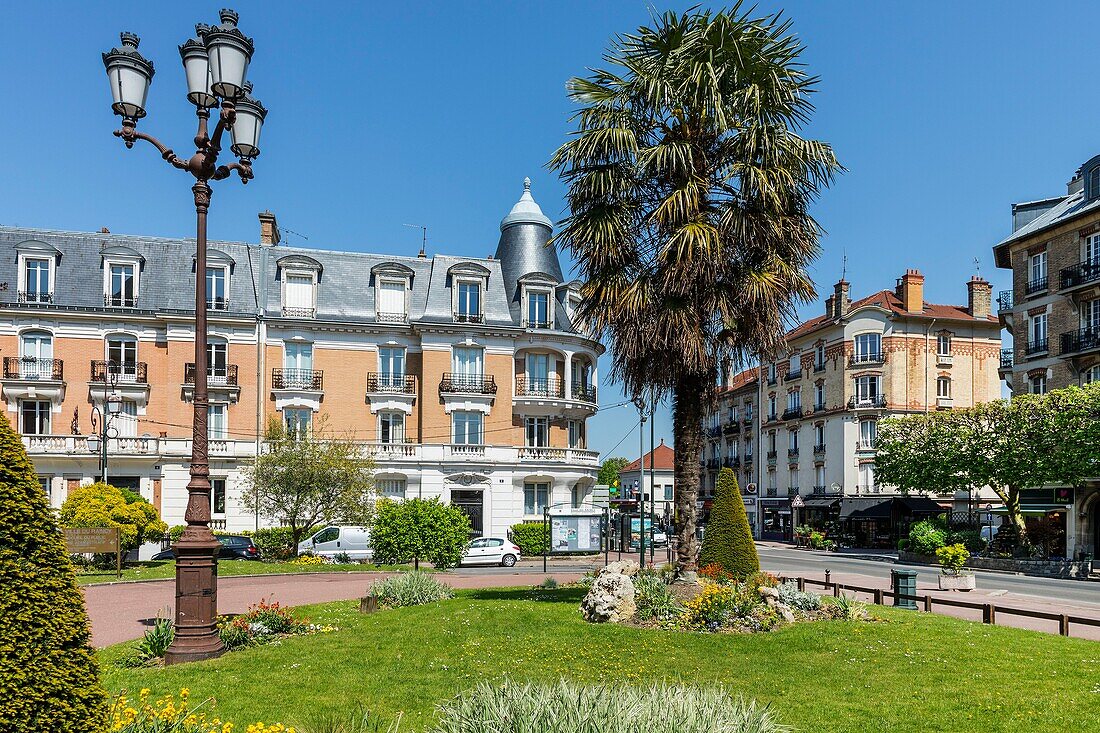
x: 928, y: 604
x: 827, y: 574
x: 878, y: 597
x: 368, y: 604
x: 801, y: 584
x: 1063, y: 625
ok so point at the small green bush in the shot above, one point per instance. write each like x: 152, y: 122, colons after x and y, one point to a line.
x: 549, y: 584
x: 412, y: 588
x: 420, y: 529
x: 277, y: 543
x: 157, y: 639
x: 49, y: 680
x: 952, y: 558
x: 532, y: 538
x: 926, y: 537
x: 566, y: 707
x: 970, y: 538
x: 103, y: 505
x: 728, y: 540
x: 790, y: 595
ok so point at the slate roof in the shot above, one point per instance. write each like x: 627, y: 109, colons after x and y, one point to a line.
x: 1069, y: 208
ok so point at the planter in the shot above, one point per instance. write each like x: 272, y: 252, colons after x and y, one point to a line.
x: 957, y: 582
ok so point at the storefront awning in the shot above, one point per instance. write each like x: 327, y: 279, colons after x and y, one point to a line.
x: 822, y: 503
x: 920, y: 505
x: 865, y: 507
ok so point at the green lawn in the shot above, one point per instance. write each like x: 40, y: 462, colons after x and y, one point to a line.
x: 913, y: 672
x: 160, y: 569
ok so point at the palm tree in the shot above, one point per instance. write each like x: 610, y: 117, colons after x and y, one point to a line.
x: 689, y: 189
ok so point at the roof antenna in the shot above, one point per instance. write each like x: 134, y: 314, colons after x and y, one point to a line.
x: 844, y: 266
x: 977, y: 267
x: 424, y: 241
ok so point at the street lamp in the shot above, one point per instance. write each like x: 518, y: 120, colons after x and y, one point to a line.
x: 102, y: 428
x: 640, y: 404
x: 215, y: 64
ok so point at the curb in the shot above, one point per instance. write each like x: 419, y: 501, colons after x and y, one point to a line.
x: 252, y: 575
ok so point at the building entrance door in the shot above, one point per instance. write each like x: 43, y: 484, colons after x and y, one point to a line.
x: 471, y: 501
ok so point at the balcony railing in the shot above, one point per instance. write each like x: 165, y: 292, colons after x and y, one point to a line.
x: 528, y: 323
x: 865, y: 403
x: 791, y: 376
x: 772, y: 417
x: 820, y: 490
x: 1084, y: 339
x: 733, y: 462
x: 792, y: 412
x: 747, y: 460
x: 875, y: 358
x: 1080, y: 274
x: 819, y: 407
x: 299, y: 312
x: 529, y: 386
x: 819, y: 367
x: 391, y: 450
x: 215, y: 376
x: 772, y: 455
x: 383, y: 383
x: 732, y: 427
x: 584, y: 392
x: 748, y: 418
x: 714, y: 463
x: 771, y: 491
x: 819, y: 449
x: 307, y: 379
x: 1037, y: 346
x: 383, y: 317
x: 1037, y: 285
x: 120, y: 301
x: 1006, y: 358
x: 468, y: 317
x: 30, y: 367
x: 715, y: 431
x: 26, y: 296
x: 467, y: 384
x: 865, y: 444
x: 217, y: 304
x: 1005, y: 300
x: 792, y: 453
x: 792, y: 491
x: 771, y: 380
x: 136, y: 372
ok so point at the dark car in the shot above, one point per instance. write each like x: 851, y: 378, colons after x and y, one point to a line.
x: 234, y: 547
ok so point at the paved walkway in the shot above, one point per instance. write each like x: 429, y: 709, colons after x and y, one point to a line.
x: 120, y: 612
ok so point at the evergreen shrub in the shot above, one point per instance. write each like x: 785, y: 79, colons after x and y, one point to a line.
x: 532, y: 538
x: 728, y: 539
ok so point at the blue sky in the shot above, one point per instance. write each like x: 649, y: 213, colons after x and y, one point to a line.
x: 384, y: 114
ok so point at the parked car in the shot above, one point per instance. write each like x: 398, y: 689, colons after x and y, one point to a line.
x: 660, y: 538
x: 234, y: 547
x: 491, y: 551
x: 334, y: 540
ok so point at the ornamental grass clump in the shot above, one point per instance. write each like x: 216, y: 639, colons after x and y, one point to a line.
x: 412, y: 588
x: 566, y: 707
x: 654, y: 598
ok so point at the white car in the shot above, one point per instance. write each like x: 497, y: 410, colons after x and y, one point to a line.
x: 338, y: 540
x: 491, y: 551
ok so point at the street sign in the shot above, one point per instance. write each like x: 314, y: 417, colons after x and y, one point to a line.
x: 104, y: 540
x: 797, y: 503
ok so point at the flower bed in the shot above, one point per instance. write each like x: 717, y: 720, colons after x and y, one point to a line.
x: 174, y: 714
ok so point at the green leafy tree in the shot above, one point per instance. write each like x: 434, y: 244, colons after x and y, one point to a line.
x: 610, y: 470
x: 728, y: 539
x: 689, y: 189
x: 420, y: 529
x: 301, y: 481
x: 49, y: 680
x: 103, y: 505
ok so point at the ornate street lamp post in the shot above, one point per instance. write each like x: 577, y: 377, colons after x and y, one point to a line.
x: 215, y: 63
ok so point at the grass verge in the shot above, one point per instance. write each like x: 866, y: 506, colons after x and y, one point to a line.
x: 162, y: 569
x: 933, y: 672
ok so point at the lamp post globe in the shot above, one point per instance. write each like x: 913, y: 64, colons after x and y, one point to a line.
x: 230, y: 53
x: 196, y: 67
x: 130, y: 75
x: 246, y: 128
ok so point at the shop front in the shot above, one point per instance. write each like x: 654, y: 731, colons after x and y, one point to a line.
x: 775, y: 520
x: 879, y: 522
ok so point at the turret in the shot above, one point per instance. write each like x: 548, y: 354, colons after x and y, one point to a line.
x: 523, y: 248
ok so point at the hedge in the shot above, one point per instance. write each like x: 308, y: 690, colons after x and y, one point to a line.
x: 728, y: 539
x: 49, y: 680
x: 532, y: 538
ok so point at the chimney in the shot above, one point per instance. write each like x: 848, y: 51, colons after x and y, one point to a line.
x: 1075, y: 184
x: 980, y: 297
x: 910, y: 291
x: 839, y: 303
x: 269, y: 229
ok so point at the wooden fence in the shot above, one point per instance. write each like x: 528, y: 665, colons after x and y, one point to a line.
x: 990, y: 611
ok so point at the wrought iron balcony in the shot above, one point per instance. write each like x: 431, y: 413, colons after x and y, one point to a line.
x: 1005, y: 300
x: 714, y: 463
x: 792, y: 453
x: 819, y: 407
x: 1038, y: 346
x: 584, y: 392
x: 748, y: 418
x: 772, y: 417
x: 528, y: 323
x: 120, y: 301
x: 1084, y: 339
x: 865, y: 403
x: 468, y: 317
x: 383, y: 317
x: 819, y: 449
x: 819, y: 367
x: 1081, y: 274
x: 791, y: 376
x: 382, y: 383
x: 468, y: 384
x: 792, y: 412
x: 1037, y: 285
x: 26, y: 296
x: 792, y: 491
x: 747, y: 460
x: 1006, y: 358
x: 225, y: 375
x: 733, y: 462
x: 771, y: 380
x: 732, y: 427
x: 217, y: 304
x: 862, y: 359
x: 299, y: 312
x: 772, y: 455
x: 820, y: 490
x: 715, y: 431
x: 136, y: 372
x: 307, y: 379
x: 771, y: 491
x: 30, y: 367
x: 529, y: 386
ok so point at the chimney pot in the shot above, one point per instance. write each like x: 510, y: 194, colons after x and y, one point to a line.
x: 911, y: 291
x: 840, y: 302
x: 269, y: 229
x: 979, y: 297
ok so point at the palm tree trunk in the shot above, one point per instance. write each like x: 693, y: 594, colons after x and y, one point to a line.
x: 688, y: 408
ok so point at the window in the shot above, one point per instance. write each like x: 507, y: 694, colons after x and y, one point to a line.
x: 819, y: 356
x: 298, y: 296
x: 771, y: 407
x: 44, y: 482
x: 392, y: 488
x: 299, y: 421
x: 121, y: 285
x: 819, y: 478
x: 297, y: 365
x: 538, y: 310
x: 215, y: 419
x: 943, y: 387
x: 34, y: 417
x: 943, y: 344
x: 1038, y: 330
x: 771, y: 441
x: 771, y: 479
x: 535, y: 498
x: 868, y: 431
x: 391, y: 300
x: 1090, y: 316
x: 794, y: 364
x: 771, y: 373
x: 122, y: 358
x: 391, y: 366
x: 1090, y: 375
x: 792, y: 441
x: 217, y: 290
x: 538, y: 374
x: 670, y: 493
x: 792, y: 480
x: 867, y: 476
x: 748, y: 448
x: 217, y: 496
x: 125, y: 422
x: 36, y: 280
x: 819, y: 396
x: 468, y: 308
x: 36, y: 355
x: 1037, y: 384
x: 794, y: 400
x: 328, y: 534
x: 576, y: 434
x: 748, y: 412
x: 538, y: 432
x: 467, y: 361
x: 867, y: 390
x: 391, y: 427
x: 1092, y: 248
x: 868, y: 347
x: 217, y: 362
x: 467, y: 427
x: 1037, y: 270
x: 819, y: 436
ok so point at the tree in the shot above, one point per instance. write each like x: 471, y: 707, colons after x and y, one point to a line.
x: 304, y: 480
x: 420, y: 529
x: 728, y: 539
x: 689, y: 189
x: 103, y: 505
x: 610, y: 470
x: 49, y: 680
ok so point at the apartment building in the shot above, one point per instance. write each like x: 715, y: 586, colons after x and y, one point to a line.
x: 818, y: 405
x: 463, y: 378
x: 732, y: 439
x: 1053, y: 313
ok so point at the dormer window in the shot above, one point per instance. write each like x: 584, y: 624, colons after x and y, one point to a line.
x: 1092, y: 179
x: 298, y: 295
x: 37, y: 285
x: 217, y: 287
x: 538, y: 309
x: 121, y: 289
x: 468, y: 302
x: 392, y: 306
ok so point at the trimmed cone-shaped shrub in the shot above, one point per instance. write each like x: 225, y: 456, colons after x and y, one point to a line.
x: 728, y: 539
x: 48, y: 675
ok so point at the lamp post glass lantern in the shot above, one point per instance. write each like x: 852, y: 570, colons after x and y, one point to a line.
x: 215, y: 65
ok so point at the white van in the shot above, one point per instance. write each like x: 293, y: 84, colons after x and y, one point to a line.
x: 338, y: 540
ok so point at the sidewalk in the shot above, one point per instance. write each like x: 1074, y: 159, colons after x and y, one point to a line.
x: 862, y: 554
